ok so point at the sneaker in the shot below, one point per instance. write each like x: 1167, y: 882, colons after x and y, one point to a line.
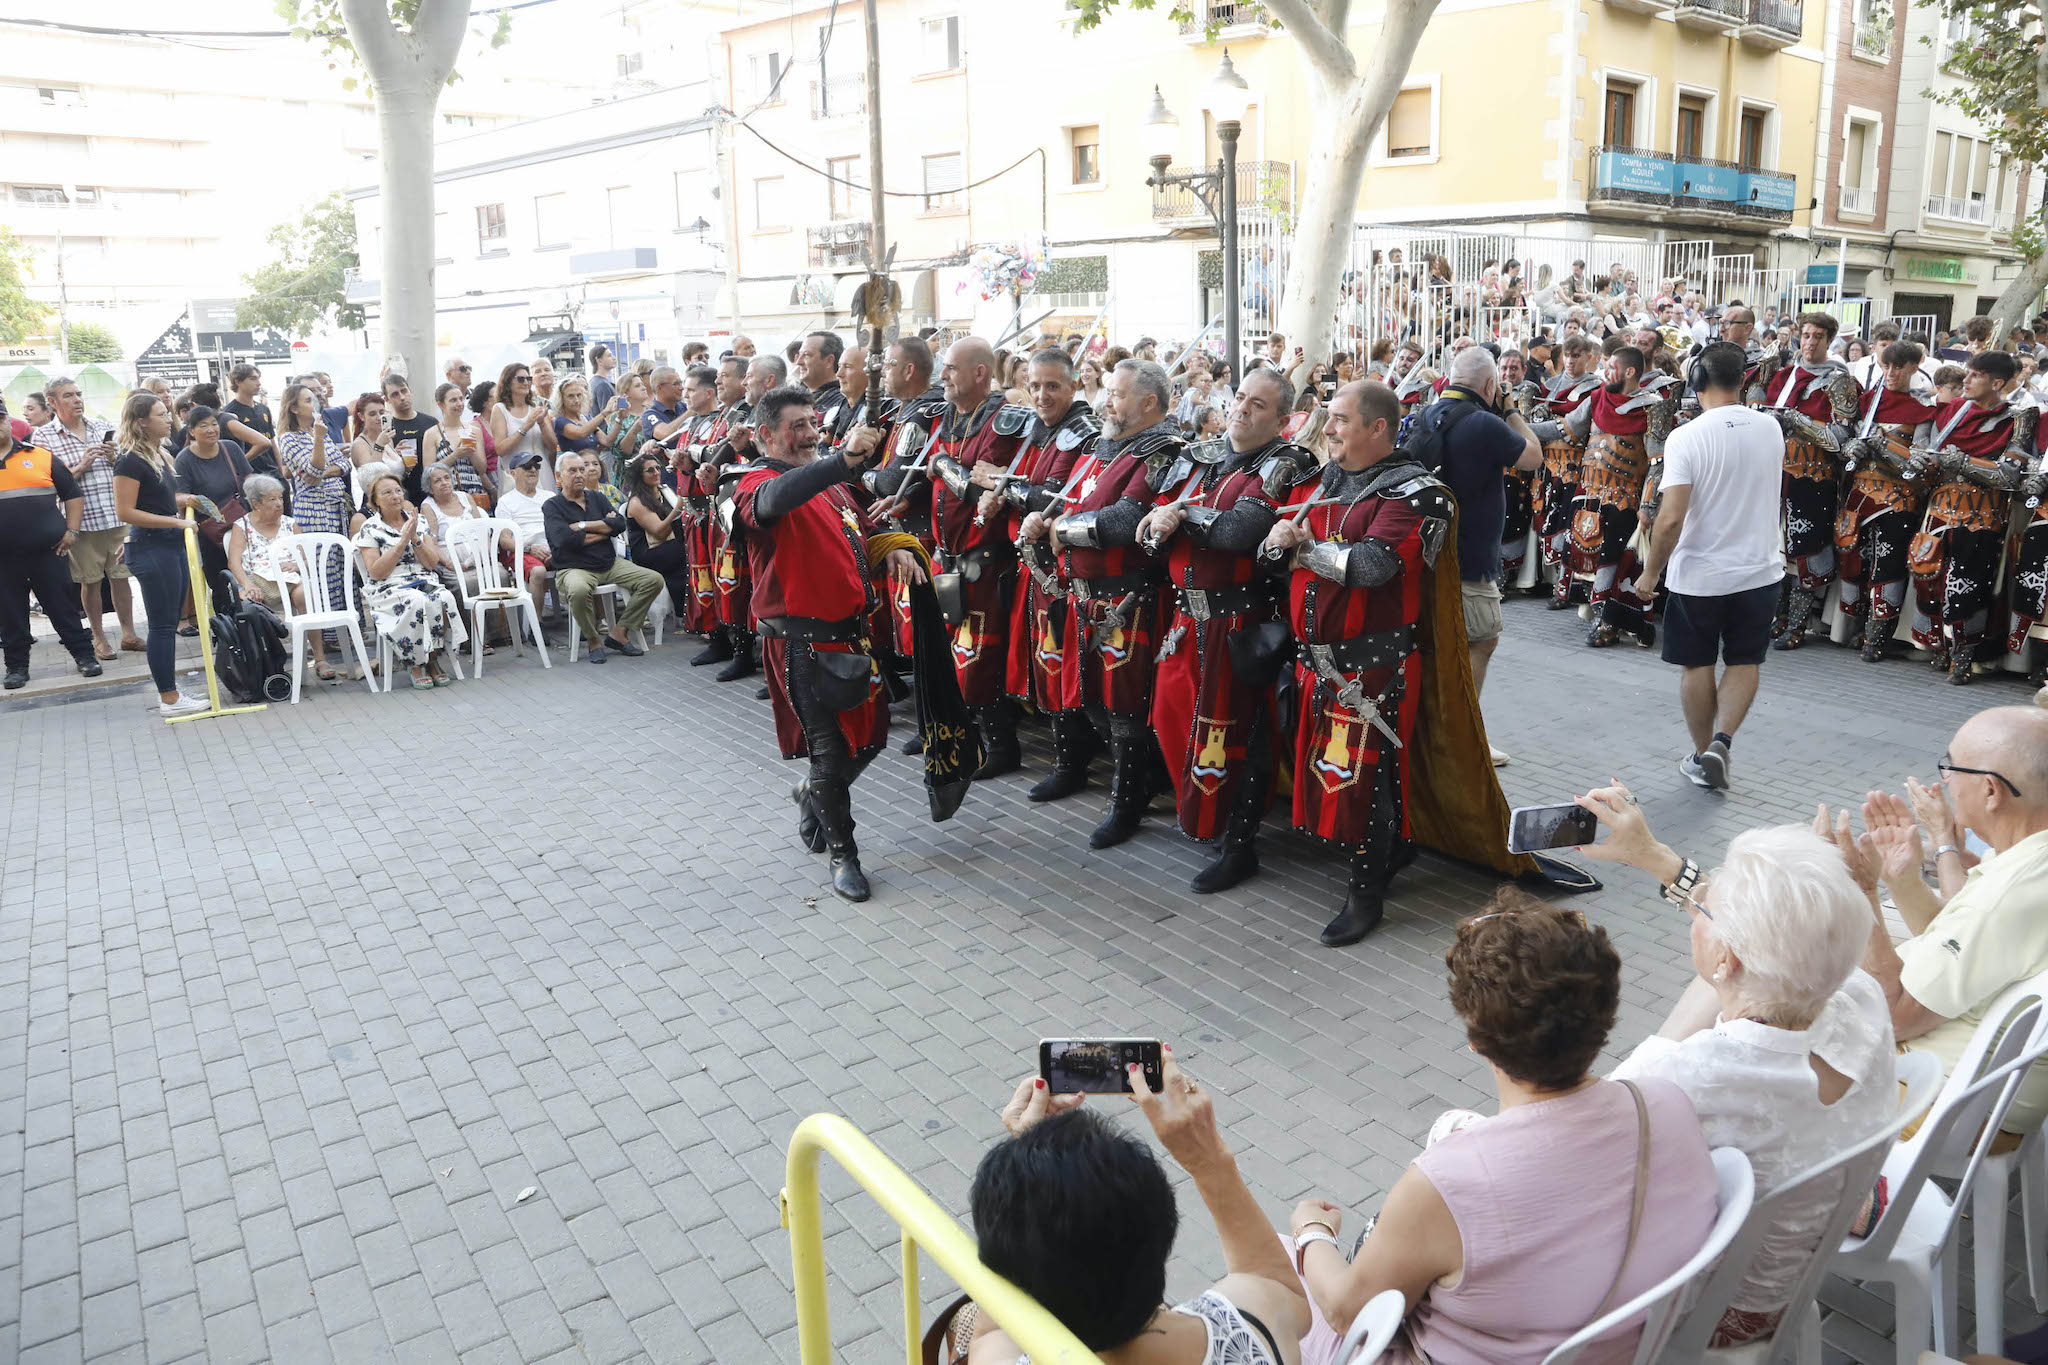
x: 1690, y: 766
x: 183, y: 706
x: 1714, y: 765
x: 1500, y: 757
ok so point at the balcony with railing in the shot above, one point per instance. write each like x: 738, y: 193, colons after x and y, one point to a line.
x: 839, y: 97
x: 1716, y: 16
x: 1871, y: 35
x: 1962, y: 210
x: 1773, y: 23
x: 1636, y: 182
x: 836, y: 244
x: 1258, y: 184
x: 1644, y: 6
x: 1230, y: 19
x: 1861, y: 199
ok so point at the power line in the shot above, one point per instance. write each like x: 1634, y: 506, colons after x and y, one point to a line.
x: 115, y: 31
x: 893, y: 194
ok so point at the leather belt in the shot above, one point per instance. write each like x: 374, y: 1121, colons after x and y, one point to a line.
x: 1381, y: 649
x: 1203, y: 603
x: 1088, y: 589
x: 813, y: 630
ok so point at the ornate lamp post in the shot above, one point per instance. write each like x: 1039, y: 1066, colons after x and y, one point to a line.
x: 1226, y: 97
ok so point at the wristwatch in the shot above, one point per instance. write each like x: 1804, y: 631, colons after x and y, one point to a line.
x: 1679, y: 891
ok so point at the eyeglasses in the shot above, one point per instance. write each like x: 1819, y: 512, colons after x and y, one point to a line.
x: 1945, y: 768
x: 1578, y: 915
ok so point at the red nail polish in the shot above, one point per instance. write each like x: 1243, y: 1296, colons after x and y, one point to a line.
x: 1040, y: 1083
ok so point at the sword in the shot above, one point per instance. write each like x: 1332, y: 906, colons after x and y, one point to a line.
x: 1351, y: 692
x: 1187, y: 495
x: 1009, y: 475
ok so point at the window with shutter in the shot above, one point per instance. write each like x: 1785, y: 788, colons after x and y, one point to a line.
x: 1408, y: 124
x: 944, y: 175
x: 1086, y: 143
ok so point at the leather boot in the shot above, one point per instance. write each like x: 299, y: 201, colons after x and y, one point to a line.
x: 1364, y: 903
x: 1000, y: 751
x: 1126, y: 793
x: 742, y: 648
x: 1877, y: 633
x: 808, y: 827
x: 1072, y: 741
x: 1238, y: 858
x: 716, y: 651
x: 848, y: 881
x: 1963, y: 659
x: 1561, y: 593
x: 1797, y: 609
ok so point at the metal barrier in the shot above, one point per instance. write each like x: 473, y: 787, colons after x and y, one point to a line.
x: 924, y: 1224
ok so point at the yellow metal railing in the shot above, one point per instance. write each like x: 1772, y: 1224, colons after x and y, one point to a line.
x: 924, y: 1224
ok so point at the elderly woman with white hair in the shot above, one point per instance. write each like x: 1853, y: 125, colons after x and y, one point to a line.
x: 1783, y: 1045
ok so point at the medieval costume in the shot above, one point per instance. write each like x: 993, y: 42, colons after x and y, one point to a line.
x: 1038, y: 661
x: 1114, y: 620
x: 977, y: 559
x: 1557, y: 483
x: 1880, y: 512
x: 1212, y: 706
x: 1982, y: 455
x: 1816, y: 405
x: 1624, y: 452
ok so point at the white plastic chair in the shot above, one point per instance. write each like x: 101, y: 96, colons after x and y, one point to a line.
x: 1994, y: 1178
x: 1855, y: 1169
x: 308, y: 553
x: 1912, y: 1248
x: 474, y: 546
x: 606, y: 599
x: 1658, y: 1306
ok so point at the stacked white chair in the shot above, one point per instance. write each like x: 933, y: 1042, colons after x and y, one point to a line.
x: 474, y: 544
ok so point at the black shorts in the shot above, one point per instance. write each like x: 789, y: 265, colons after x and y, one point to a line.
x: 1735, y: 627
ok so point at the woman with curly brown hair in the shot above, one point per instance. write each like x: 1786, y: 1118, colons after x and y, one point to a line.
x: 1511, y: 1232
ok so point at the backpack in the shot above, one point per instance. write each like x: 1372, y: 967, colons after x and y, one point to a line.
x: 1424, y: 440
x: 249, y: 654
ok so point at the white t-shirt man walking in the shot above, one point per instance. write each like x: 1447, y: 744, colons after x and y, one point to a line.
x: 1717, y: 530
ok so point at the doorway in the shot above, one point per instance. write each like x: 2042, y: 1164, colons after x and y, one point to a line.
x: 1942, y: 306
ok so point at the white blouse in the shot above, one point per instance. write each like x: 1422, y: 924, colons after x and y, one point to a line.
x: 1755, y: 1089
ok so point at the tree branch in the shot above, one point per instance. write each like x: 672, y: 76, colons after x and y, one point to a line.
x: 1391, y: 55
x: 438, y: 30
x: 378, y: 45
x: 1325, y: 52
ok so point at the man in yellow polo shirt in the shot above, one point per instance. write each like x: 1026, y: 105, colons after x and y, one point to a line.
x: 1992, y: 930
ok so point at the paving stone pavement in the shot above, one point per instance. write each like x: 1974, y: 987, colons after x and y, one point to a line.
x: 294, y: 1005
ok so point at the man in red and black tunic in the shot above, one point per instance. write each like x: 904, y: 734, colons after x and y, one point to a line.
x: 1623, y: 424
x: 1360, y: 541
x: 1814, y: 400
x: 981, y: 433
x: 1887, y: 486
x: 1212, y: 708
x: 1557, y: 483
x: 900, y: 479
x: 701, y: 444
x: 1983, y: 447
x: 1119, y: 599
x: 1060, y: 438
x: 814, y: 596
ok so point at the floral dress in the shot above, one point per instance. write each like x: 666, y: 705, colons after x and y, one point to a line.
x: 319, y: 502
x: 421, y: 616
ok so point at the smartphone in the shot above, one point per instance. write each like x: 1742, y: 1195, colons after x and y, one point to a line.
x: 622, y: 404
x: 1532, y: 829
x: 1096, y: 1066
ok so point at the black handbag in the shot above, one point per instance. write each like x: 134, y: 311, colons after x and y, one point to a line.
x: 1258, y: 653
x: 842, y: 682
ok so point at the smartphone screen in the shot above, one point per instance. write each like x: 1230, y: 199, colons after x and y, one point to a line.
x: 1532, y: 829
x: 1096, y: 1066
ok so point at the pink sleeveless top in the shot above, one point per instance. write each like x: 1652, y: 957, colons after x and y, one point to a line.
x: 1541, y: 1198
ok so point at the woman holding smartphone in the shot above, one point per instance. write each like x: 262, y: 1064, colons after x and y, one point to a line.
x: 520, y: 424
x: 146, y: 501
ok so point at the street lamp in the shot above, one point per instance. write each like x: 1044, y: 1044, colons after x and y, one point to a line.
x: 1226, y: 97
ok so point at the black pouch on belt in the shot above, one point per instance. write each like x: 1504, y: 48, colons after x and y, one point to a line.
x: 951, y: 590
x: 1258, y: 653
x: 842, y: 681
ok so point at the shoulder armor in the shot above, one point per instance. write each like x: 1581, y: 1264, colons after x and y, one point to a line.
x: 1286, y: 469
x: 2025, y: 422
x: 1426, y: 490
x: 1147, y: 444
x: 1209, y: 452
x: 1010, y: 419
x: 1644, y: 397
x: 1077, y: 431
x: 1166, y: 469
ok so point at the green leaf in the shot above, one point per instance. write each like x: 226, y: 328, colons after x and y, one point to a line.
x: 21, y: 316
x: 304, y: 285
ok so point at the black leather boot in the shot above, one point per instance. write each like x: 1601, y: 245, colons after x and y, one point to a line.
x: 1877, y: 633
x: 1798, y: 608
x: 808, y: 828
x: 1238, y: 858
x: 1561, y: 591
x: 1364, y: 903
x: 1127, y: 793
x: 742, y: 648
x: 1000, y: 751
x: 716, y: 651
x: 848, y: 881
x: 1073, y: 740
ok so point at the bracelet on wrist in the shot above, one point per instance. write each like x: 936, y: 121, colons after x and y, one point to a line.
x: 1680, y: 888
x: 1947, y: 848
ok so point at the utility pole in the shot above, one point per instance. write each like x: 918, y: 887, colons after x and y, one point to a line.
x: 878, y: 238
x: 63, y: 302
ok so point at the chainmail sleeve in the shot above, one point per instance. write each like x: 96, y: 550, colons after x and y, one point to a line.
x: 1117, y: 524
x: 1239, y: 531
x: 1371, y: 563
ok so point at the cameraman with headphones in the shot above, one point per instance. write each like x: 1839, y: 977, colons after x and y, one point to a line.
x: 1469, y: 436
x: 1717, y: 530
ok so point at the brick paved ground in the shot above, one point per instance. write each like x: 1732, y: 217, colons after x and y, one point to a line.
x: 294, y: 1005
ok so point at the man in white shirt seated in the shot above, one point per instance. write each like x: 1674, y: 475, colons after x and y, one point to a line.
x: 1983, y: 929
x: 522, y: 504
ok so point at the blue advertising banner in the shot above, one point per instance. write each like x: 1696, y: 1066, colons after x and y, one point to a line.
x: 1767, y: 190
x: 1636, y: 174
x: 1722, y: 184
